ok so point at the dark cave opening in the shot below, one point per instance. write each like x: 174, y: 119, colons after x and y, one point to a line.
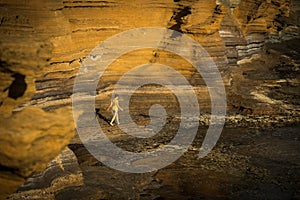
x: 18, y: 87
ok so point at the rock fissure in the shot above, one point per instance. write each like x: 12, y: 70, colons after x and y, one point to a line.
x: 253, y: 43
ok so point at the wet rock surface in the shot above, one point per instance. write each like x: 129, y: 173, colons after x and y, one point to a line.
x: 253, y: 43
x: 61, y: 172
x: 245, y: 164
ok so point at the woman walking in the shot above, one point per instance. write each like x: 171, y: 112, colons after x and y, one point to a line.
x: 114, y: 105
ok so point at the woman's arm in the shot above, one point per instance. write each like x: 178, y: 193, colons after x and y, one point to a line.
x: 119, y: 106
x: 109, y: 105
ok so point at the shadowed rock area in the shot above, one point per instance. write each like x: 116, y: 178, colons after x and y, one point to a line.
x: 254, y: 44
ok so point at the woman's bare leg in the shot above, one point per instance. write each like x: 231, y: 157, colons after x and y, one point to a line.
x: 117, y: 118
x: 114, y: 117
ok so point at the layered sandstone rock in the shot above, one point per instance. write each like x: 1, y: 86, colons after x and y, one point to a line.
x: 44, y: 42
x: 30, y: 137
x: 61, y: 171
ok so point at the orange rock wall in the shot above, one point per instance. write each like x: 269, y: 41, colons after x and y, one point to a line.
x: 42, y: 43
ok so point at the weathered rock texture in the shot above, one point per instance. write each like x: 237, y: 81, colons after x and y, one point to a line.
x: 62, y: 171
x: 43, y: 42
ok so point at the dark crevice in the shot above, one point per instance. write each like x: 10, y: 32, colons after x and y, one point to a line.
x: 279, y: 22
x: 248, y: 18
x: 8, y: 169
x: 92, y: 29
x: 63, y: 62
x: 54, y: 94
x: 242, y: 109
x: 178, y: 17
x: 17, y: 87
x: 217, y: 10
x: 4, y: 67
x: 2, y: 20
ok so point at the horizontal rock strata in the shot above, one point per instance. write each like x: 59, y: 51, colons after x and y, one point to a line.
x: 43, y: 44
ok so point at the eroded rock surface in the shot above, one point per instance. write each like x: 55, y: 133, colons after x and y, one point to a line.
x: 245, y: 164
x: 61, y: 171
x: 43, y: 42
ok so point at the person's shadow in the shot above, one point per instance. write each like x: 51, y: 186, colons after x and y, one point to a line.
x: 100, y: 116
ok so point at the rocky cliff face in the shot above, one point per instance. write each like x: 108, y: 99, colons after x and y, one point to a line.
x: 43, y: 43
